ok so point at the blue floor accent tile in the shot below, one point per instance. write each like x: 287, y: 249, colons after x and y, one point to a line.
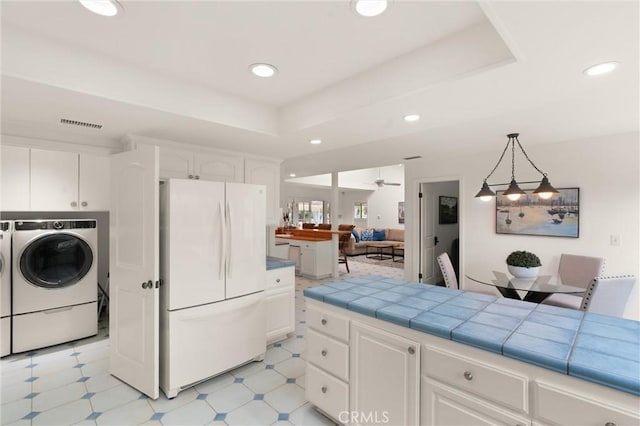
x: 258, y: 397
x: 32, y: 395
x: 302, y: 322
x: 510, y: 311
x: 88, y: 395
x: 613, y: 347
x: 544, y: 353
x: 604, y: 369
x: 93, y: 415
x: 481, y: 336
x: 79, y: 366
x: 439, y: 325
x: 277, y: 345
x: 31, y: 365
x: 299, y: 336
x: 389, y: 296
x: 290, y: 380
x: 75, y: 354
x: 34, y: 353
x: 610, y: 331
x: 454, y: 311
x: 31, y: 379
x: 398, y: 314
x: 31, y: 415
x: 202, y: 396
x: 417, y: 303
x: 367, y: 305
x: 283, y: 417
x: 156, y: 416
x: 269, y: 367
x: 238, y: 380
x: 341, y: 298
x: 295, y: 355
x: 555, y: 320
x: 220, y: 417
x: 547, y: 332
x: 143, y: 396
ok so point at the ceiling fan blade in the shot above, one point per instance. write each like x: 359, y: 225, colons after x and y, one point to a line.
x: 393, y: 183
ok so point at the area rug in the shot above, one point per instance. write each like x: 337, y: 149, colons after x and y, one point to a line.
x: 386, y: 262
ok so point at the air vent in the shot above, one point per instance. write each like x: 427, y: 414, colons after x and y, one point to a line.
x: 81, y: 123
x: 415, y: 157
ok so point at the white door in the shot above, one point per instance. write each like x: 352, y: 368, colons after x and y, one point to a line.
x: 246, y: 238
x: 427, y: 224
x: 134, y: 259
x: 384, y: 376
x: 195, y: 273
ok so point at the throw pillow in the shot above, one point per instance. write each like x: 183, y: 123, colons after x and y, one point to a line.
x: 378, y: 235
x: 366, y: 235
x: 355, y: 235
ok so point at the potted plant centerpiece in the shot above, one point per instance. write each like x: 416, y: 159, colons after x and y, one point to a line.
x: 523, y: 264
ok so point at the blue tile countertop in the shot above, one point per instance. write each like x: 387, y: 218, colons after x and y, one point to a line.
x: 276, y: 262
x: 593, y: 347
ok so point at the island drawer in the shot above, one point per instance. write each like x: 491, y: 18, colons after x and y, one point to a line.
x: 329, y: 354
x: 280, y: 277
x: 326, y: 392
x: 492, y: 383
x: 328, y: 323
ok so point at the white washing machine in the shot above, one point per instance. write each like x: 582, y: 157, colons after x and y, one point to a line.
x: 5, y: 287
x: 55, y: 282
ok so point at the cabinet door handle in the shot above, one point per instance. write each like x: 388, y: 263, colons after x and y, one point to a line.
x: 468, y: 375
x: 323, y: 389
x: 609, y: 424
x: 74, y: 204
x: 324, y: 352
x: 411, y: 350
x: 277, y: 280
x: 197, y: 177
x: 146, y: 285
x: 323, y: 321
x: 190, y: 176
x: 84, y: 204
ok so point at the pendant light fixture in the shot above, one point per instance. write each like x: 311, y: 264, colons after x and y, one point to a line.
x: 514, y: 192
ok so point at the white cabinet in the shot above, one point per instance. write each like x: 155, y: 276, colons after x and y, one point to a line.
x: 183, y: 164
x: 266, y: 173
x: 384, y: 377
x: 43, y: 180
x: 315, y: 259
x: 15, y: 178
x: 280, y: 303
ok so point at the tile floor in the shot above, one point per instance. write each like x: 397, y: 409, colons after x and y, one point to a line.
x: 70, y: 384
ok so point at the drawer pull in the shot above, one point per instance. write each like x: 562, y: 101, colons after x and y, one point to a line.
x: 277, y: 280
x: 468, y: 375
x: 323, y: 321
x: 323, y: 389
x: 74, y: 204
x: 411, y: 350
x: 324, y: 353
x: 609, y: 424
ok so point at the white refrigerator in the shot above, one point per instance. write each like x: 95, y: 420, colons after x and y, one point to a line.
x: 212, y: 270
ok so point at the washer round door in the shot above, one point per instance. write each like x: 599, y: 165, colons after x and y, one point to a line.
x: 56, y: 260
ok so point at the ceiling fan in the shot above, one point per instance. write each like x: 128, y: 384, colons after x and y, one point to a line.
x: 381, y: 182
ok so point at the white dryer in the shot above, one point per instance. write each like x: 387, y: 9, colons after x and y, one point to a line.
x: 5, y: 287
x: 55, y: 282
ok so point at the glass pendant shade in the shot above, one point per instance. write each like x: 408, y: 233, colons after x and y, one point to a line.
x: 545, y: 190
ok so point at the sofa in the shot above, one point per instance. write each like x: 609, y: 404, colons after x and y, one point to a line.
x: 388, y: 236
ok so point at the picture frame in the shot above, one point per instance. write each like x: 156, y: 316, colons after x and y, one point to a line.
x: 400, y: 211
x: 447, y: 210
x: 558, y: 216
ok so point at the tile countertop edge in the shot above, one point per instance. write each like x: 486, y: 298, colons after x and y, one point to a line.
x: 607, y: 375
x: 276, y: 263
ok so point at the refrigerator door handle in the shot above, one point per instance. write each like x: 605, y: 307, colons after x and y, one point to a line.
x: 223, y: 242
x: 230, y: 239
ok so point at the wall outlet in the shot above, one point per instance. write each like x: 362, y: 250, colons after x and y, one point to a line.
x: 614, y: 240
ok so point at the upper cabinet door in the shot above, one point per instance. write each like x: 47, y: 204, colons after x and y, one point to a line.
x: 268, y: 174
x: 15, y: 178
x: 175, y: 163
x: 220, y: 168
x: 94, y: 183
x: 54, y: 180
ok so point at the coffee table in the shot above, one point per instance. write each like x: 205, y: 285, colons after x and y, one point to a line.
x: 398, y: 251
x: 375, y: 251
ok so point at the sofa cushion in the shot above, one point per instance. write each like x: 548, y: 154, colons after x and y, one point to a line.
x: 378, y: 235
x: 366, y: 235
x: 395, y: 234
x: 356, y: 235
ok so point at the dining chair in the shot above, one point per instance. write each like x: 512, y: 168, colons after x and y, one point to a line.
x: 308, y: 225
x: 608, y: 295
x: 324, y: 226
x: 577, y: 271
x: 343, y: 240
x: 448, y: 273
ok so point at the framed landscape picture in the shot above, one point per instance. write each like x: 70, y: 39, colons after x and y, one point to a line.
x: 400, y: 211
x: 559, y: 216
x: 448, y: 210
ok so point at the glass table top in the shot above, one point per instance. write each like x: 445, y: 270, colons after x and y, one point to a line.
x: 539, y: 284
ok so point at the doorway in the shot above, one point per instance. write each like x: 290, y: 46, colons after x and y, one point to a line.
x: 439, y: 228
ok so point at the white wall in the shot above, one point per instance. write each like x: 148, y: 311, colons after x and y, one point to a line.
x: 383, y: 207
x: 606, y: 169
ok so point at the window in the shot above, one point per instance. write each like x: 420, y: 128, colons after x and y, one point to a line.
x: 359, y: 210
x: 311, y: 211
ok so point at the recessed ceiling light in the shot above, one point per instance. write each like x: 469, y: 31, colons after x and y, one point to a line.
x: 263, y: 70
x: 315, y: 141
x: 102, y: 7
x: 602, y: 68
x: 292, y: 175
x: 411, y: 117
x: 369, y: 8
